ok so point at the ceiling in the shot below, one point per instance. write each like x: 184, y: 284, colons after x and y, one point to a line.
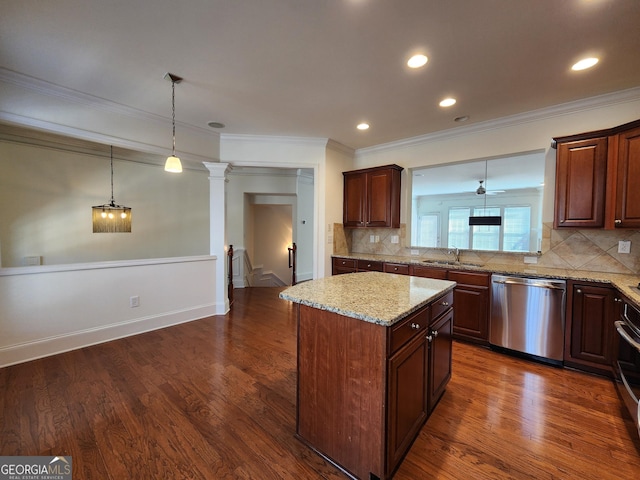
x: 316, y: 68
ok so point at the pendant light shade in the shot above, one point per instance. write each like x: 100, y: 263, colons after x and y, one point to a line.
x: 173, y: 163
x: 111, y: 218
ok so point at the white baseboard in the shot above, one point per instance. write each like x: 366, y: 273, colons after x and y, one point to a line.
x: 45, y: 347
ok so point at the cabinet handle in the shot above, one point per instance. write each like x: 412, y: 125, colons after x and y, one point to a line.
x: 429, y: 338
x: 416, y: 326
x: 617, y: 300
x: 617, y: 221
x: 435, y: 333
x: 445, y: 304
x: 368, y: 265
x: 578, y: 291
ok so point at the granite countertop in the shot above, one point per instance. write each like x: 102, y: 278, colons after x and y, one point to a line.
x: 626, y: 284
x: 375, y: 297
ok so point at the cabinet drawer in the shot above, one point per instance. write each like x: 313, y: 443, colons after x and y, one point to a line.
x: 429, y: 272
x: 369, y: 266
x: 470, y: 278
x: 398, y: 268
x: 406, y: 329
x: 441, y: 305
x: 344, y: 262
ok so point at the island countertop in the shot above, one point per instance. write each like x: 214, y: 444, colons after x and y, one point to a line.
x: 375, y: 297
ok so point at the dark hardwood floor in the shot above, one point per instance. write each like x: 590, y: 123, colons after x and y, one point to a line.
x: 215, y: 399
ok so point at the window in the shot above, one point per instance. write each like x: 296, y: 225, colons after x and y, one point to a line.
x: 428, y: 228
x: 513, y: 186
x: 486, y: 237
x: 458, y: 236
x: 517, y: 227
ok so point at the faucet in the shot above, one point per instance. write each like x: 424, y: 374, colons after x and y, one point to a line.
x: 456, y: 253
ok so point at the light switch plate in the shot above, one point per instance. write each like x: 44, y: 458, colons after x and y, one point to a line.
x: 530, y: 259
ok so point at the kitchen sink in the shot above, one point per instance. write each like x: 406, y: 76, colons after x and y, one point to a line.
x: 450, y: 262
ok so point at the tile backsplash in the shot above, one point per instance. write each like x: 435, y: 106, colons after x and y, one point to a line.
x: 594, y: 250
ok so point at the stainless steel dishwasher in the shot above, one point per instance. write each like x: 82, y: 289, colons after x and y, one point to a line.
x: 527, y: 316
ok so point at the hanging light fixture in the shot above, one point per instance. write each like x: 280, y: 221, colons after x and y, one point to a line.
x: 487, y: 220
x: 173, y: 163
x: 111, y: 218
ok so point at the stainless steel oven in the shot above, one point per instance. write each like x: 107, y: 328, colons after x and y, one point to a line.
x: 627, y: 363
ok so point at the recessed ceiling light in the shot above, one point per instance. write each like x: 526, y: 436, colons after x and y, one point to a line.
x: 463, y: 118
x: 216, y: 124
x: 447, y: 102
x: 584, y: 63
x: 363, y: 126
x: 417, y: 61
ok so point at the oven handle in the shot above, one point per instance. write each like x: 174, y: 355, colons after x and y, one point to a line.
x: 619, y: 327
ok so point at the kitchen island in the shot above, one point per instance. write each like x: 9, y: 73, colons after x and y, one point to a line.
x: 374, y: 357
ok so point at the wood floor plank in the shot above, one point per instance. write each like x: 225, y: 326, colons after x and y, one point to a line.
x: 215, y: 398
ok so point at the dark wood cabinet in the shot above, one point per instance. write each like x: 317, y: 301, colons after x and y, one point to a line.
x: 627, y: 212
x: 472, y: 301
x: 440, y: 354
x: 408, y: 377
x: 597, y: 174
x: 370, y: 266
x: 399, y: 268
x: 372, y: 197
x: 365, y: 390
x: 581, y: 176
x: 592, y: 311
x: 428, y: 272
x: 343, y: 265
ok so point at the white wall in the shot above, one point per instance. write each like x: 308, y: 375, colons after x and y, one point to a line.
x: 51, y: 309
x: 46, y: 195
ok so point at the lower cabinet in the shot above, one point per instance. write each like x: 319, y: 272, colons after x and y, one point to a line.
x: 343, y: 265
x: 472, y: 300
x: 407, y: 397
x: 418, y: 376
x: 440, y: 355
x: 591, y: 313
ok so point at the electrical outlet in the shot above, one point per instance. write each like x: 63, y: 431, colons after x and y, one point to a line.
x: 624, y: 246
x: 530, y: 259
x: 372, y: 238
x: 395, y: 239
x: 330, y: 239
x: 134, y: 301
x: 415, y: 252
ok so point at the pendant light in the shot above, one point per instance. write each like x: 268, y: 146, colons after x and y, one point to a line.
x: 111, y: 218
x: 173, y: 163
x: 487, y: 220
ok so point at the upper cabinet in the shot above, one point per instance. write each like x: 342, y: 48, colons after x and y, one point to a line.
x: 595, y: 175
x: 372, y: 197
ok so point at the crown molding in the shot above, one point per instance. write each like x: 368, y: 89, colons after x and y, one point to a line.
x: 609, y: 99
x: 43, y: 87
x: 247, y: 138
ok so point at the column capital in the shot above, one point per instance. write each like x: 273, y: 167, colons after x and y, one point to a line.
x: 217, y: 169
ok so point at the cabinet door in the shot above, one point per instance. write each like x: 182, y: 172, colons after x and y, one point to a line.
x: 471, y: 304
x: 407, y: 398
x: 628, y: 178
x: 354, y: 199
x: 440, y: 347
x: 593, y: 314
x: 581, y: 169
x: 380, y: 198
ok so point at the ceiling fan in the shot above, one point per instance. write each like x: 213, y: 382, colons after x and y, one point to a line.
x: 481, y: 190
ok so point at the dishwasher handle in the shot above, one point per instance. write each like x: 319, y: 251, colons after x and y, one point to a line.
x: 516, y: 281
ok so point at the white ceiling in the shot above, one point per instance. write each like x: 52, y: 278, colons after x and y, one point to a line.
x: 315, y: 68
